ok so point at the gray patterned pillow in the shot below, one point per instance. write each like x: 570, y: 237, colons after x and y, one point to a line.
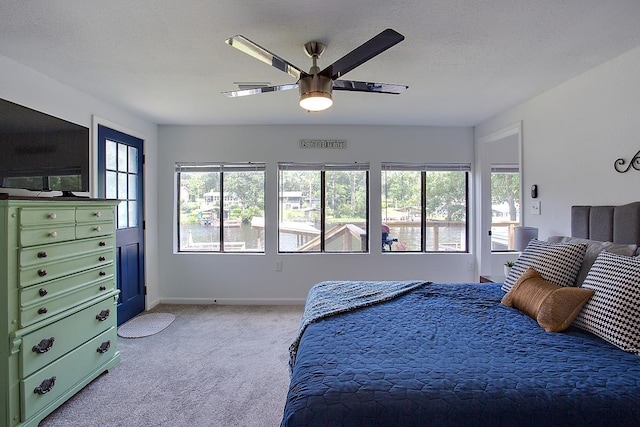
x: 557, y: 263
x: 613, y: 313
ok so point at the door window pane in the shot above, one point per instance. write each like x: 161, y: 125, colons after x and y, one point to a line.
x: 122, y: 157
x: 122, y: 214
x: 111, y: 154
x: 122, y: 186
x: 133, y: 214
x: 133, y: 186
x: 505, y: 205
x: 112, y: 185
x: 133, y: 160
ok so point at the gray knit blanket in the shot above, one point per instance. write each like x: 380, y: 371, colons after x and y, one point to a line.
x: 334, y: 297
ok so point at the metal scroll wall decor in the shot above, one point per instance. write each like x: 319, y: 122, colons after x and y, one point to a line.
x: 634, y: 163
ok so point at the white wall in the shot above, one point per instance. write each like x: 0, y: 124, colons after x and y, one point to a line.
x: 35, y: 90
x: 572, y: 136
x: 251, y: 278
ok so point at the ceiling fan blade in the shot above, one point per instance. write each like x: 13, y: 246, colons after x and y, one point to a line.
x: 250, y: 48
x: 363, y: 53
x: 355, y: 86
x: 257, y: 90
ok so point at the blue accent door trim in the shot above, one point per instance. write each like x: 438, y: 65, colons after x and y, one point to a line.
x: 121, y: 176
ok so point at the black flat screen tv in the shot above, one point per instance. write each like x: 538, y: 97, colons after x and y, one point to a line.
x: 42, y: 153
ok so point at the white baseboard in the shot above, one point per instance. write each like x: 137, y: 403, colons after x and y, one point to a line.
x: 234, y: 301
x: 152, y: 304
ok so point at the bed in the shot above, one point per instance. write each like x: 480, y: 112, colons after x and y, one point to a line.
x: 422, y: 354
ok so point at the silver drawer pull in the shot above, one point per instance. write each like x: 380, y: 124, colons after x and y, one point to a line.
x: 97, y: 228
x: 98, y: 214
x: 103, y: 288
x: 42, y: 254
x: 101, y: 258
x: 53, y: 234
x: 43, y: 346
x: 46, y: 386
x: 102, y: 244
x: 102, y: 273
x: 42, y: 272
x: 43, y: 292
x: 104, y: 347
x: 52, y: 216
x: 42, y: 310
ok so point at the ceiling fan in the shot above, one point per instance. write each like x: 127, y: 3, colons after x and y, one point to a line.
x: 316, y: 86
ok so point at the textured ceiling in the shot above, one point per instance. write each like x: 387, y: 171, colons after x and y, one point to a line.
x: 464, y: 61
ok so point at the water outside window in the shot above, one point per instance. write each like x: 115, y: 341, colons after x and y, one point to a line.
x: 221, y: 207
x: 322, y: 209
x: 424, y: 208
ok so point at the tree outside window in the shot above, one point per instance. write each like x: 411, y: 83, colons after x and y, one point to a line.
x: 323, y: 207
x: 505, y: 205
x: 220, y: 207
x: 425, y: 207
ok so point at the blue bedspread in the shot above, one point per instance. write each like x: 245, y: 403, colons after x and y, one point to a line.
x: 452, y: 355
x: 338, y: 296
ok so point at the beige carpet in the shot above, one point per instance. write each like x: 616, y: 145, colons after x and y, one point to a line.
x: 214, y: 366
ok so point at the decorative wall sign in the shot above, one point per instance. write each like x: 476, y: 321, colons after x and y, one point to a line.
x: 634, y: 163
x: 323, y: 143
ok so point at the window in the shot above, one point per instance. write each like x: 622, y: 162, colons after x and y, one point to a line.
x: 220, y: 207
x: 425, y: 207
x: 323, y: 207
x: 505, y: 205
x: 121, y: 181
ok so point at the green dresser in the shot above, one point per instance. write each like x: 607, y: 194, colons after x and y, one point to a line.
x: 58, y: 301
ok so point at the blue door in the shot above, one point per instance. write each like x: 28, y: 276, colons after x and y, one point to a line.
x: 120, y: 176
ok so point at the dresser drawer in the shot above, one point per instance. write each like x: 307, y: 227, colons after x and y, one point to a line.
x: 45, y: 345
x: 41, y: 295
x: 64, y: 294
x: 85, y: 230
x: 47, y: 216
x: 95, y: 214
x: 39, y: 274
x: 66, y: 372
x: 44, y: 235
x: 39, y: 255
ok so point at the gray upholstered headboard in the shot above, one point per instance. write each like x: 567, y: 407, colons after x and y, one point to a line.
x: 618, y: 224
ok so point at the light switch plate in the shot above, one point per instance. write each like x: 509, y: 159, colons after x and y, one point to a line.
x: 535, y: 207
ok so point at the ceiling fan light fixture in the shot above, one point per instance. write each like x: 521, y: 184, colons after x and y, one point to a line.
x: 315, y: 92
x: 316, y: 101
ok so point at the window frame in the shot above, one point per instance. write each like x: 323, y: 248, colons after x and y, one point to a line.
x: 322, y: 169
x: 513, y: 168
x: 221, y: 168
x: 423, y: 168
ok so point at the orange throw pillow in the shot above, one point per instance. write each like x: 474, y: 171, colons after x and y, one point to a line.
x: 553, y: 307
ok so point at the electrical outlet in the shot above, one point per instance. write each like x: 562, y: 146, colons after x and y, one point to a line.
x: 470, y: 265
x: 535, y: 207
x: 278, y: 265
